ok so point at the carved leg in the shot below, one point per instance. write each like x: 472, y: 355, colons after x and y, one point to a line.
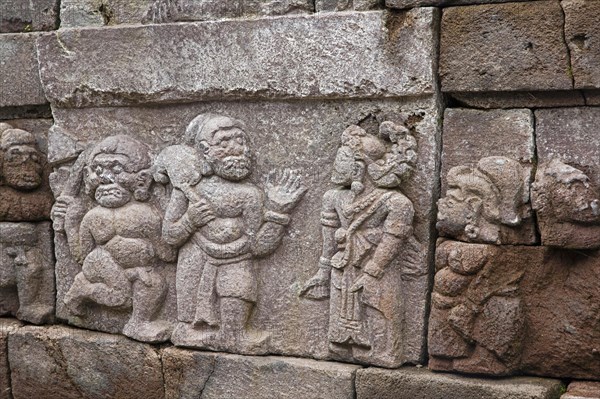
x: 235, y: 314
x: 109, y: 285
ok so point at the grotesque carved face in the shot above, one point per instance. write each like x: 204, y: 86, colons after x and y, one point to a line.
x: 22, y: 166
x: 228, y: 154
x: 455, y: 211
x: 113, y: 184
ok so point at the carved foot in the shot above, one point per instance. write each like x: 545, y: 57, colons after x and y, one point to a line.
x: 254, y: 342
x: 149, y: 331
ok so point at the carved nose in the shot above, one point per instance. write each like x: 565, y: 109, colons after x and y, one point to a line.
x: 106, y: 177
x: 21, y: 259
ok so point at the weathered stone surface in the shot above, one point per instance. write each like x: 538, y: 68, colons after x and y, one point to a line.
x: 402, y: 4
x: 202, y: 10
x: 520, y: 99
x: 27, y: 271
x: 25, y: 194
x: 373, y: 383
x: 191, y: 374
x: 582, y: 390
x: 344, y: 5
x: 330, y: 55
x: 311, y: 132
x: 582, y: 19
x: 475, y: 38
x: 27, y: 16
x: 19, y: 75
x: 6, y: 327
x: 567, y: 191
x: 61, y: 362
x: 80, y: 13
x: 499, y: 310
x: 498, y: 199
x: 592, y: 97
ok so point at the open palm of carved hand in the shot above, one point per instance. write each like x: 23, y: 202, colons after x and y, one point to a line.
x: 284, y: 190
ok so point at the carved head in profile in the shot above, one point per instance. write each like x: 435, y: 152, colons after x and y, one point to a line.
x: 479, y: 200
x: 386, y: 159
x: 21, y: 163
x: 565, y: 194
x: 224, y: 145
x: 118, y: 170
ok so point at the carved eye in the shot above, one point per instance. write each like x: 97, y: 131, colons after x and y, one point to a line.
x: 240, y: 140
x: 98, y: 170
x: 118, y: 168
x: 34, y: 157
x: 12, y: 252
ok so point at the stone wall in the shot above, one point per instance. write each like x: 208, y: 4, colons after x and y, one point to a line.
x: 300, y: 198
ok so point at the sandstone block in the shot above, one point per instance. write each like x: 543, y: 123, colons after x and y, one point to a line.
x: 487, y: 159
x: 6, y: 327
x: 81, y: 13
x: 308, y: 139
x: 344, y: 5
x: 582, y: 19
x: 19, y: 73
x: 567, y: 191
x: 475, y: 38
x: 326, y: 56
x: 61, y: 362
x: 500, y: 310
x: 402, y: 4
x: 582, y: 390
x: 191, y: 374
x: 27, y: 16
x: 373, y: 383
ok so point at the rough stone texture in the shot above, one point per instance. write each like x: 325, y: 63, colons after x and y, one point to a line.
x: 6, y: 327
x: 499, y: 310
x: 25, y: 194
x: 190, y: 374
x: 582, y: 390
x: 373, y: 383
x: 533, y: 56
x: 472, y: 135
x: 61, y: 362
x: 311, y: 131
x: 80, y: 13
x: 330, y: 55
x: 520, y: 99
x: 27, y: 16
x: 27, y: 271
x: 19, y: 75
x: 403, y: 4
x: 344, y: 5
x: 568, y: 182
x: 582, y: 19
x: 202, y: 10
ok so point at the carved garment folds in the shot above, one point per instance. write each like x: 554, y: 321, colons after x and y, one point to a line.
x: 367, y: 229
x: 221, y: 222
x: 24, y: 191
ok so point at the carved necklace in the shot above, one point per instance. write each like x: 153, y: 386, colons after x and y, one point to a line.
x: 355, y: 207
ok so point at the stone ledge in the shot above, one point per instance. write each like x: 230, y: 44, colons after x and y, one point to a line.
x: 419, y: 383
x: 285, y: 57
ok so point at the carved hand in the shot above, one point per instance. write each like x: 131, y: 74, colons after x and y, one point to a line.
x: 59, y: 211
x: 200, y: 213
x: 365, y: 281
x: 317, y: 287
x: 284, y: 191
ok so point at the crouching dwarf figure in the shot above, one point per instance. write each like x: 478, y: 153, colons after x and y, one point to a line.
x: 118, y: 240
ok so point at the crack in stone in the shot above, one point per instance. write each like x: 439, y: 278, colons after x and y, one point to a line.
x: 564, y: 38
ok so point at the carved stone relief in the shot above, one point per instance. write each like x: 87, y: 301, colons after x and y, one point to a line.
x: 486, y: 204
x: 108, y: 216
x: 27, y: 271
x: 24, y: 192
x: 367, y: 228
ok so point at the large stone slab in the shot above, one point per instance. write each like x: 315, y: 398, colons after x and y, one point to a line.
x: 487, y: 159
x: 6, y: 327
x: 307, y: 139
x: 27, y: 16
x: 326, y: 56
x: 475, y: 38
x: 500, y: 310
x: 193, y: 374
x: 567, y: 191
x: 373, y: 383
x: 582, y: 390
x: 62, y: 362
x: 581, y: 22
x: 19, y: 75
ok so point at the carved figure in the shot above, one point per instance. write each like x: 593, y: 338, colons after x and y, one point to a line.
x: 26, y: 273
x: 24, y: 191
x: 477, y: 318
x: 485, y: 203
x: 118, y: 241
x: 567, y: 205
x: 221, y: 222
x: 367, y: 227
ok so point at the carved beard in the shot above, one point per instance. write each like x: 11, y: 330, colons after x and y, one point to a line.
x: 112, y: 195
x: 23, y: 176
x: 233, y: 168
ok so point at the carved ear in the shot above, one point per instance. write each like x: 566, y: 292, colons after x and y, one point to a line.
x: 141, y: 189
x: 475, y: 204
x: 471, y: 231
